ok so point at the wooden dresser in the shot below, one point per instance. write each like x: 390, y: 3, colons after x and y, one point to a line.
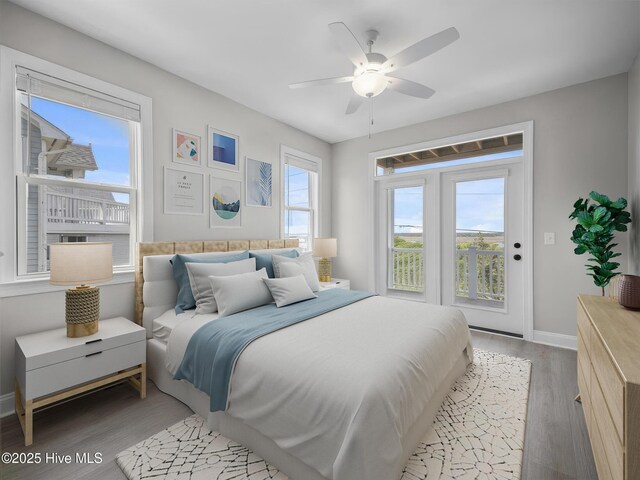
x: 609, y: 383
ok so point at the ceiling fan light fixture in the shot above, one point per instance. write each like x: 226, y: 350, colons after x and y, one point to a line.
x: 370, y: 84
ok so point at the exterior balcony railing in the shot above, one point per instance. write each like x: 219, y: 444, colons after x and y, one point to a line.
x: 408, y: 269
x: 65, y: 208
x: 479, y: 274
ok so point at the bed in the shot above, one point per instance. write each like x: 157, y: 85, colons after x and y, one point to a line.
x: 364, y: 385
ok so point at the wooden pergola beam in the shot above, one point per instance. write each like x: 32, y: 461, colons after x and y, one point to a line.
x: 455, y: 156
x: 504, y: 143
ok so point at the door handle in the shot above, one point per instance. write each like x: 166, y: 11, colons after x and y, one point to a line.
x: 517, y: 257
x: 517, y: 245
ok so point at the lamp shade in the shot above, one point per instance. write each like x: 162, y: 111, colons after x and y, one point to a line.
x: 77, y: 263
x: 325, y: 247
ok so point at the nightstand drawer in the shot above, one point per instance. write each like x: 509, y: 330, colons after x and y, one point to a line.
x: 336, y: 283
x: 48, y: 348
x: 63, y: 375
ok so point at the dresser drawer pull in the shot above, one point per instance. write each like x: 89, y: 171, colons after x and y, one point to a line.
x: 93, y: 341
x: 92, y: 354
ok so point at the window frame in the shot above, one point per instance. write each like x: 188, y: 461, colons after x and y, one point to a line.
x: 10, y: 184
x: 314, y: 190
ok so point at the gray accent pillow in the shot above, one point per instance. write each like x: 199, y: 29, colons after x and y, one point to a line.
x: 201, y: 287
x: 236, y: 293
x: 292, y: 267
x: 286, y: 291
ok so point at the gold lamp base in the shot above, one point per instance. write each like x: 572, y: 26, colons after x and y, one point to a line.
x: 324, y: 270
x: 82, y: 305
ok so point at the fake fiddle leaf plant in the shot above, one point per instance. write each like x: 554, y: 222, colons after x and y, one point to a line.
x: 598, y: 218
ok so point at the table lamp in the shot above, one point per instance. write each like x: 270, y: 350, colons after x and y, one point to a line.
x: 325, y: 248
x: 81, y: 263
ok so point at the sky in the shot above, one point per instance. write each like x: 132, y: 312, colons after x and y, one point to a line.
x: 108, y: 136
x: 479, y: 203
x: 296, y: 192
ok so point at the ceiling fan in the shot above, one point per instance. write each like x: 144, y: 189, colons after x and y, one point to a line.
x: 370, y: 77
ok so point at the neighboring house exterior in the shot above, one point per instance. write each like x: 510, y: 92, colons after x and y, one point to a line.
x: 67, y: 214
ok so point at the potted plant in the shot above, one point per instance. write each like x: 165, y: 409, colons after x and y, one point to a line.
x: 594, y: 232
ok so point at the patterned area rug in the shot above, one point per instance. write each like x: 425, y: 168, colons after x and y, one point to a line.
x: 477, y: 434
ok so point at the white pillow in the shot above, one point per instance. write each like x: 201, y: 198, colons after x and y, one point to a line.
x: 286, y: 267
x: 235, y: 293
x: 286, y: 291
x: 199, y: 280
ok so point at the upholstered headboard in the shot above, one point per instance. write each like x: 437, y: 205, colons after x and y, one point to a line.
x: 202, y: 246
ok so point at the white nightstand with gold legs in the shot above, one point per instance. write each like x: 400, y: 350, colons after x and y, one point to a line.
x: 51, y: 367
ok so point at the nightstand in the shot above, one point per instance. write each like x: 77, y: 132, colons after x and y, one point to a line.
x: 336, y: 283
x: 51, y: 367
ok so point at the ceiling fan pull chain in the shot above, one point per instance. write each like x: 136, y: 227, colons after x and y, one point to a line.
x: 370, y: 114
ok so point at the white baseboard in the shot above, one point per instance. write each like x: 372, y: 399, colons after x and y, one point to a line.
x: 555, y: 339
x: 7, y: 405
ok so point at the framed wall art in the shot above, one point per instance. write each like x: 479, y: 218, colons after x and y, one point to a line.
x: 258, y: 183
x: 186, y: 148
x: 223, y: 150
x: 224, y: 203
x: 183, y: 192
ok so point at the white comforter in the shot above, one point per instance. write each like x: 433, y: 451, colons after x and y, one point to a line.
x: 340, y: 391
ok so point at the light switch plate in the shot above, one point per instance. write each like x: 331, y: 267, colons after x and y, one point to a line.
x: 549, y: 238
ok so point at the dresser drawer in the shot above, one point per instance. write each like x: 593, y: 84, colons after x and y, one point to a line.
x: 612, y: 443
x: 63, y: 375
x: 584, y: 324
x: 584, y: 364
x: 584, y: 398
x: 599, y: 454
x: 610, y: 382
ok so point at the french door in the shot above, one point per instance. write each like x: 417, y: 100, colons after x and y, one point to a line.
x: 456, y: 238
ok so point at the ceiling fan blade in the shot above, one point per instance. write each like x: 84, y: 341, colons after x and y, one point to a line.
x: 422, y: 49
x: 348, y: 43
x: 323, y: 81
x: 354, y: 103
x: 408, y: 87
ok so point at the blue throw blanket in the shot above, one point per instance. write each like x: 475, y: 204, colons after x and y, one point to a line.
x: 213, y: 350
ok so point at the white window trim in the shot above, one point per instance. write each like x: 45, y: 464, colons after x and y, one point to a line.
x: 286, y: 151
x: 10, y: 145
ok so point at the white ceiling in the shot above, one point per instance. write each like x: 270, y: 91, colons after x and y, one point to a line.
x: 250, y: 50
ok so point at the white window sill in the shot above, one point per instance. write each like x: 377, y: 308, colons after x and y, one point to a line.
x: 42, y: 285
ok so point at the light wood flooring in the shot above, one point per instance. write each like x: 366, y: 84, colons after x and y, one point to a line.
x: 556, y: 444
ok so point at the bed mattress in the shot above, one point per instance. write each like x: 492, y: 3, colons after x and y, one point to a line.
x: 165, y: 323
x: 347, y: 386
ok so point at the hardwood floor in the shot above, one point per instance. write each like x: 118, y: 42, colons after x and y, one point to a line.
x: 556, y: 440
x: 556, y: 444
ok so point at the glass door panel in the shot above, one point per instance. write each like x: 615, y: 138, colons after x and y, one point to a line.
x: 479, y: 242
x: 406, y: 243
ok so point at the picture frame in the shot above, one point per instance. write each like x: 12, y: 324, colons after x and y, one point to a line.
x: 258, y: 183
x: 187, y: 148
x: 225, y: 205
x: 183, y: 192
x: 223, y: 150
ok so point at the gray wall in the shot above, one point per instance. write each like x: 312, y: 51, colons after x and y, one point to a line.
x: 580, y: 144
x: 176, y: 103
x: 634, y: 165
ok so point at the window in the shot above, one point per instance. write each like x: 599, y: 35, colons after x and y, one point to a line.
x: 475, y: 151
x: 300, y: 198
x: 78, y: 169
